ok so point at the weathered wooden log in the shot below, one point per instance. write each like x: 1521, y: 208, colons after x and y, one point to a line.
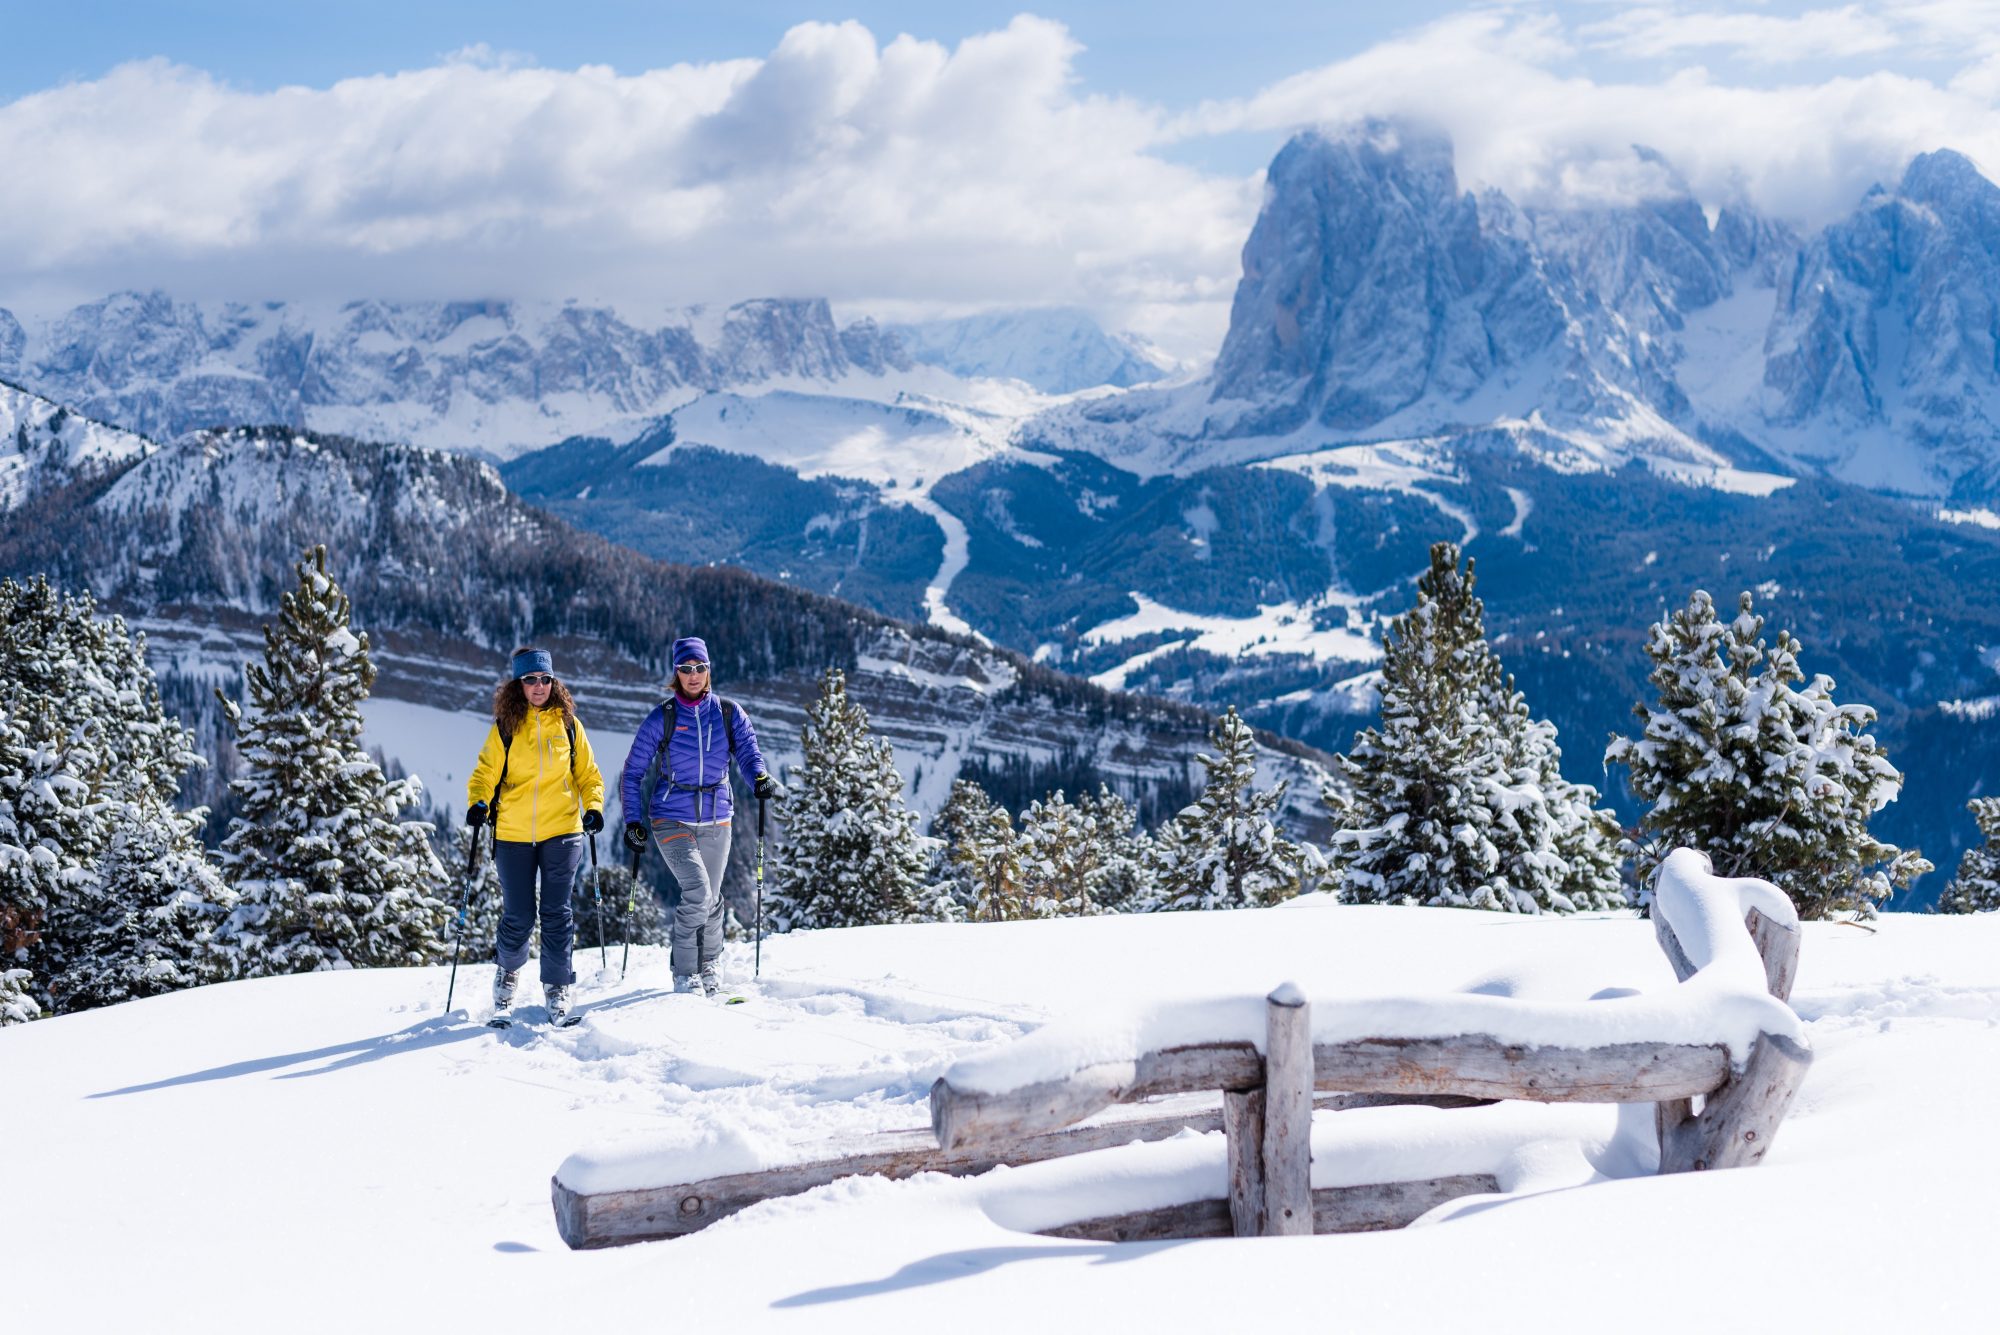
x: 1481, y: 1066
x: 1243, y: 1132
x: 1738, y: 1122
x: 1288, y: 1109
x: 1364, y: 1209
x: 1778, y: 945
x: 962, y: 1118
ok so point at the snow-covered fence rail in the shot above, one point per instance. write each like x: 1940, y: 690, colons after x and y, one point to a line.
x: 1725, y: 1035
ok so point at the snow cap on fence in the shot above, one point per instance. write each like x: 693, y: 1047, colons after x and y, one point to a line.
x: 1706, y: 912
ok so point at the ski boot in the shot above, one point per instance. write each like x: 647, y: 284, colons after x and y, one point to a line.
x: 558, y: 999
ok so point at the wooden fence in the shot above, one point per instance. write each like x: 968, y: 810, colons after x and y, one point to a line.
x: 1268, y: 1098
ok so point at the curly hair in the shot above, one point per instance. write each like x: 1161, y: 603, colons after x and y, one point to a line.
x: 510, y: 703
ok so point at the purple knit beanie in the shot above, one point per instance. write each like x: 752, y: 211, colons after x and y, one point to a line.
x: 690, y: 649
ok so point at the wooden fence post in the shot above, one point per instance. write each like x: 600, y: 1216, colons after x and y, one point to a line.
x: 1243, y: 1133
x: 1288, y: 1102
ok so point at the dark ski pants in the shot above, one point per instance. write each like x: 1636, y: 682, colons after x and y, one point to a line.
x: 696, y: 856
x: 557, y: 861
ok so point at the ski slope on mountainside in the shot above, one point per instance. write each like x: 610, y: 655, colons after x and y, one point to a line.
x: 334, y: 1150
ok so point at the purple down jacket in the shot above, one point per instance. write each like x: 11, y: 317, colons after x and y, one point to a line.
x: 694, y: 765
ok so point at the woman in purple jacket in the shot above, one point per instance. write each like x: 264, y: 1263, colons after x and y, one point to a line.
x: 694, y: 735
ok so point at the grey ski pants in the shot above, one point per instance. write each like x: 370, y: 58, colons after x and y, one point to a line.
x: 696, y: 856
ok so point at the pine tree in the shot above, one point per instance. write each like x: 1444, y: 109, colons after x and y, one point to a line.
x: 329, y: 876
x: 1060, y: 859
x: 1225, y: 851
x: 980, y: 857
x: 17, y: 934
x: 155, y: 925
x: 1976, y: 888
x: 1769, y: 779
x: 1456, y: 797
x: 1122, y: 881
x: 850, y: 854
x: 102, y: 763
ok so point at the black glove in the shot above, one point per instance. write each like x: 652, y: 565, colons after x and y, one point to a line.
x: 767, y: 788
x: 593, y: 821
x: 635, y: 836
x: 475, y: 815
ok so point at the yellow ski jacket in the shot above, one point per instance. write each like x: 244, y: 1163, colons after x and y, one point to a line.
x: 547, y: 789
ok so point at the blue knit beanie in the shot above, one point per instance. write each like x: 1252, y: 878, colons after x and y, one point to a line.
x: 532, y: 660
x: 690, y: 649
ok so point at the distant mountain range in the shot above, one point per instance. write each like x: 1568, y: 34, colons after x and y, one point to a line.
x: 448, y: 571
x: 499, y: 376
x: 1608, y: 406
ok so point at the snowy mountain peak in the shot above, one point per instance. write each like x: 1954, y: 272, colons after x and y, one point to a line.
x: 44, y: 445
x: 1379, y: 302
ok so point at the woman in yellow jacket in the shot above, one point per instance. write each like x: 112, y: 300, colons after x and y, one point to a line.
x: 537, y: 781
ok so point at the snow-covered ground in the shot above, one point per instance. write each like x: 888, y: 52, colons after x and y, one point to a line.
x: 332, y: 1151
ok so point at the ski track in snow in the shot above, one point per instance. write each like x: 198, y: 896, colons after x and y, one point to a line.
x: 957, y: 547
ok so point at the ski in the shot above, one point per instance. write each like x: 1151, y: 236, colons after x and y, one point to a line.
x: 500, y: 1022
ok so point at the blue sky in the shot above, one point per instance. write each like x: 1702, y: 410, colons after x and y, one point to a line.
x: 1106, y: 156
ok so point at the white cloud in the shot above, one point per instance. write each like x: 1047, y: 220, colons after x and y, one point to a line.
x: 834, y: 166
x: 1660, y: 30
x: 912, y: 175
x: 1525, y: 120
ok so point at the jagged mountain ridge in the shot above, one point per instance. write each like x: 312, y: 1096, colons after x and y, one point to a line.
x: 1379, y: 301
x: 44, y: 446
x: 500, y: 377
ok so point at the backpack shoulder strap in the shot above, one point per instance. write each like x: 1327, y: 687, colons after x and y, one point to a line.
x: 506, y: 743
x: 729, y: 723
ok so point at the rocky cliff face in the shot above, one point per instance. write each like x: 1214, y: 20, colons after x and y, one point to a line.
x: 1885, y: 341
x: 1380, y: 302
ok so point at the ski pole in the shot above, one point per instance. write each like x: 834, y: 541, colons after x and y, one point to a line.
x: 631, y: 893
x: 757, y: 969
x: 597, y: 903
x: 464, y: 897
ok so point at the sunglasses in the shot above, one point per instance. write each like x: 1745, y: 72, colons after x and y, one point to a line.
x: 538, y: 679
x: 692, y: 669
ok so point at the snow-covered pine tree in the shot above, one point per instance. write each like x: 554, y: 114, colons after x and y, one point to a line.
x: 155, y: 926
x: 1456, y: 796
x: 979, y: 854
x: 1557, y: 846
x: 45, y: 812
x: 1976, y: 888
x: 1122, y: 881
x: 17, y: 1004
x: 1767, y: 778
x: 96, y: 717
x: 329, y: 877
x: 1061, y: 859
x: 1226, y: 851
x: 850, y: 854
